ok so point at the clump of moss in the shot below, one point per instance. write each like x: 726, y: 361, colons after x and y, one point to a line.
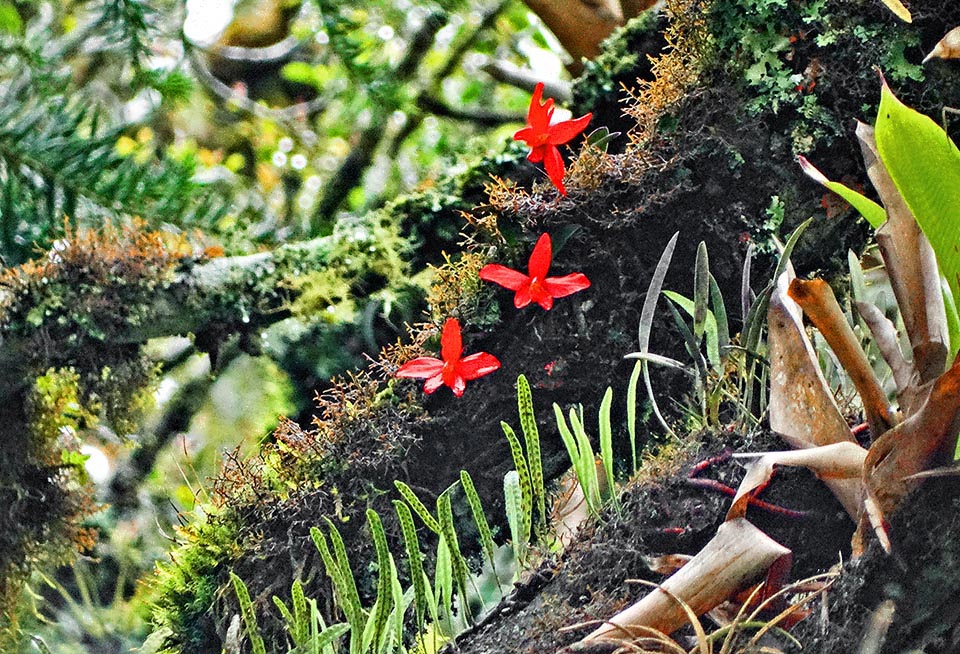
x: 60, y: 316
x: 626, y: 57
x: 44, y: 491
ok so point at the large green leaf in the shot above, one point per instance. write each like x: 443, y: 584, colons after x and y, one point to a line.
x: 925, y: 167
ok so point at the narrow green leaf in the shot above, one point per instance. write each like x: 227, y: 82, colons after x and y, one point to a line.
x: 384, y: 598
x: 513, y: 505
x: 606, y: 442
x: 632, y: 412
x: 710, y: 329
x: 411, y: 543
x: 569, y: 442
x: 689, y: 340
x: 287, y: 617
x: 443, y: 581
x: 461, y: 572
x: 301, y: 618
x: 330, y: 635
x: 418, y: 506
x: 653, y: 293
x: 589, y: 482
x: 719, y: 309
x: 746, y: 301
x: 248, y: 614
x: 701, y: 290
x: 520, y: 463
x: 646, y: 321
x: 479, y: 519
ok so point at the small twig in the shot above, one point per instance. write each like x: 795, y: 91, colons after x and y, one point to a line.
x: 290, y: 116
x: 438, y: 107
x: 525, y: 79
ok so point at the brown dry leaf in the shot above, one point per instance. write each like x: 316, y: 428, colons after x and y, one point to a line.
x: 570, y: 511
x: 668, y: 563
x: 802, y: 408
x: 738, y: 556
x: 836, y: 462
x: 818, y: 302
x: 915, y: 445
x: 947, y: 48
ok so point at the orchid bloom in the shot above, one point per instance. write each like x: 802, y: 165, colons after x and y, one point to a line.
x: 452, y: 370
x: 543, y: 138
x: 535, y: 286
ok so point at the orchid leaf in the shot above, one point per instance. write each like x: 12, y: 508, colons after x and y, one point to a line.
x: 709, y: 328
x: 701, y: 289
x: 601, y: 137
x: 870, y: 210
x: 660, y: 360
x: 720, y: 315
x: 606, y: 442
x: 646, y: 321
x: 924, y: 164
x: 746, y: 293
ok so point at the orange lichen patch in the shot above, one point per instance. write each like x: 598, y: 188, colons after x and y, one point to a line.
x: 483, y: 221
x: 674, y: 72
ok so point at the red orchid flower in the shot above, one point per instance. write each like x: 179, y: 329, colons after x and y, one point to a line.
x: 543, y: 138
x: 535, y: 286
x: 453, y: 370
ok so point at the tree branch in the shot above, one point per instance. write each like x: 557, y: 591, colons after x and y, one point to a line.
x: 579, y: 25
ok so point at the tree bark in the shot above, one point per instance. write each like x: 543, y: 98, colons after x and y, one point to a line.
x: 580, y: 26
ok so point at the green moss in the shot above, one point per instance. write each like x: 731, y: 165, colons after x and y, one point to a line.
x: 185, y: 587
x: 786, y: 56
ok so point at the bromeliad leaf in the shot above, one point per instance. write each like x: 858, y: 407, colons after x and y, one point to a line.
x: 924, y: 164
x: 870, y: 210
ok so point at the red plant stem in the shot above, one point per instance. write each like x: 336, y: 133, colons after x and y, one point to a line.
x: 720, y: 487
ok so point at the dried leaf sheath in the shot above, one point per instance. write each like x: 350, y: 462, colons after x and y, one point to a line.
x: 821, y: 307
x: 738, y: 556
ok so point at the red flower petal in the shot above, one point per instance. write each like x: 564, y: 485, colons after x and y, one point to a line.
x: 544, y: 299
x: 526, y: 135
x: 506, y: 277
x: 566, y: 285
x: 433, y: 383
x: 565, y: 130
x: 522, y: 298
x: 539, y: 264
x: 539, y: 113
x: 553, y: 163
x: 458, y: 386
x: 477, y: 365
x: 451, y: 342
x: 420, y: 368
x: 537, y: 153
